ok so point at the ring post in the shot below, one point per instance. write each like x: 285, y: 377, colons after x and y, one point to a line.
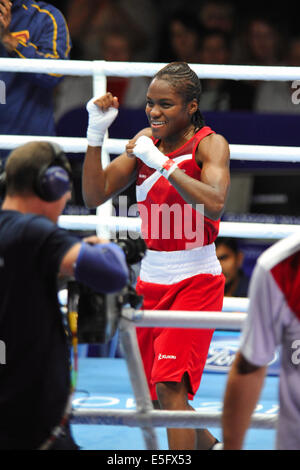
x: 138, y: 379
x: 105, y: 210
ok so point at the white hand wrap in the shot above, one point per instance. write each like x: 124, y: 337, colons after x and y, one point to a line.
x: 99, y: 122
x: 152, y: 157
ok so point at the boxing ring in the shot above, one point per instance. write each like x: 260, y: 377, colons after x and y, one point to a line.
x: 104, y: 223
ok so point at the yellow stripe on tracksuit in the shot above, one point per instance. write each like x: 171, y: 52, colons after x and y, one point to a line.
x: 41, y: 10
x: 54, y: 42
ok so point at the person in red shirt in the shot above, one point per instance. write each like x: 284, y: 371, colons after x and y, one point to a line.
x: 181, y: 170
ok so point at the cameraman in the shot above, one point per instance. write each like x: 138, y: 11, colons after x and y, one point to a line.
x: 35, y: 379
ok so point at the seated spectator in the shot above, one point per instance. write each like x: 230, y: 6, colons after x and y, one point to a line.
x: 87, y: 17
x: 180, y: 38
x: 261, y: 43
x: 281, y: 97
x: 115, y: 44
x: 231, y: 259
x: 81, y: 15
x: 218, y: 94
x: 217, y: 14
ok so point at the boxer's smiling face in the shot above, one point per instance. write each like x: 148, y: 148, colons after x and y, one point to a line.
x: 166, y: 111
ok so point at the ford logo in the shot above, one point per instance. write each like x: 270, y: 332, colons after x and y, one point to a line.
x: 222, y: 352
x: 221, y: 355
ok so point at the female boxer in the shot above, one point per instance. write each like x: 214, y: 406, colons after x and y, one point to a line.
x: 181, y: 170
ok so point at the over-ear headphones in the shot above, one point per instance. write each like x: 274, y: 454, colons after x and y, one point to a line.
x: 53, y: 180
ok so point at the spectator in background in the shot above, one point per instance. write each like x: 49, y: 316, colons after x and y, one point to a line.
x: 86, y: 18
x: 281, y: 97
x: 218, y: 94
x: 181, y: 36
x: 261, y: 43
x: 217, y: 14
x: 231, y: 259
x: 117, y: 44
x: 114, y: 44
x: 34, y: 31
x: 79, y: 14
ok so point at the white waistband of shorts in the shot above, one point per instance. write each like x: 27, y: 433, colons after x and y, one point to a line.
x: 169, y: 267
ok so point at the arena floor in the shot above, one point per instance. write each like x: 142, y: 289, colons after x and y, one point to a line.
x: 104, y: 383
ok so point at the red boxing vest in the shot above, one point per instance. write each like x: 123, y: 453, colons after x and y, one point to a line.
x: 168, y: 222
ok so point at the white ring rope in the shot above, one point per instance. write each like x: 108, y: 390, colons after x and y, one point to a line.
x: 133, y: 224
x: 235, y: 304
x: 137, y: 69
x: 230, y: 304
x: 160, y: 418
x: 116, y: 146
x: 185, y: 319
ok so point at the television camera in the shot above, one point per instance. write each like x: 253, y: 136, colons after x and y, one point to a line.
x: 98, y: 314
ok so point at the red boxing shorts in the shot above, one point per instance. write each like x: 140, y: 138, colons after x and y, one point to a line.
x: 168, y: 353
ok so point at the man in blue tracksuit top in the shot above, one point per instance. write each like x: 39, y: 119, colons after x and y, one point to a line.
x: 30, y: 30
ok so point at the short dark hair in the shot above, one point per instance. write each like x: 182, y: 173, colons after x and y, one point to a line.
x: 187, y: 19
x: 186, y: 83
x: 230, y: 242
x: 24, y: 164
x: 226, y: 37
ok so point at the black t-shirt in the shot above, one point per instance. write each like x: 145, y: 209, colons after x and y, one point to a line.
x: 35, y: 380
